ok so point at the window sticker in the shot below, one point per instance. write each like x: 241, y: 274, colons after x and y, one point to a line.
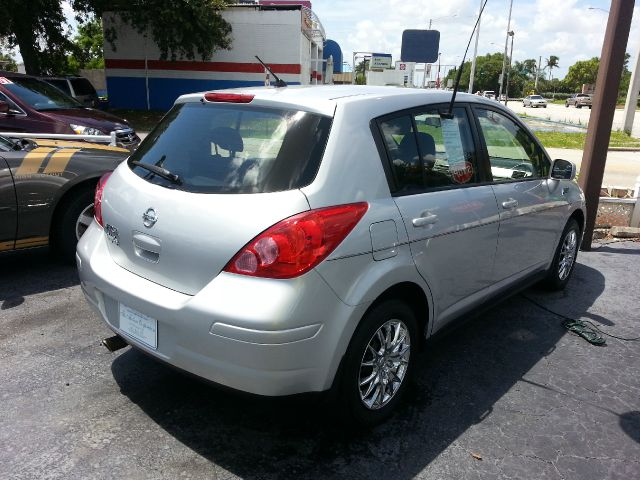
x: 462, y: 172
x: 452, y: 142
x: 5, y: 81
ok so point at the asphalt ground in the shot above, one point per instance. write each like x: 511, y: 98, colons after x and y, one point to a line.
x: 510, y: 394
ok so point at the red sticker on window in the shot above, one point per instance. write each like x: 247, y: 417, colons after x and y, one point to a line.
x: 5, y: 81
x: 462, y: 172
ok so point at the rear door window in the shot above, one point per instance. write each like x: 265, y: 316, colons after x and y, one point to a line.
x: 428, y: 152
x: 226, y: 148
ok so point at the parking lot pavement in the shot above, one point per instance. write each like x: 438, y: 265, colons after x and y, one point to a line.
x: 509, y: 394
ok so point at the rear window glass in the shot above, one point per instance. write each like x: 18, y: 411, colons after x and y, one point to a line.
x: 82, y: 86
x: 226, y: 148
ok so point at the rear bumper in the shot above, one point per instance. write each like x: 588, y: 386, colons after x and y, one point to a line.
x: 267, y: 337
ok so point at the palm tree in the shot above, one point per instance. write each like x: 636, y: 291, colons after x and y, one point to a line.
x: 552, y: 62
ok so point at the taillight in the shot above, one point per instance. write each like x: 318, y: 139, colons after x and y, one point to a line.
x: 297, y: 244
x: 228, y: 97
x: 97, y: 199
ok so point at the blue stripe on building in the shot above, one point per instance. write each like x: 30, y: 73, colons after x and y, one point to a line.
x: 130, y: 92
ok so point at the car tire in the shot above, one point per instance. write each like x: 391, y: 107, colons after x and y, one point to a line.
x: 564, y: 259
x: 589, y: 107
x: 566, y: 105
x: 578, y: 106
x: 363, y: 402
x: 544, y: 106
x: 75, y: 217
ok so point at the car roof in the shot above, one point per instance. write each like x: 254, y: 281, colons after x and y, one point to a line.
x: 324, y: 99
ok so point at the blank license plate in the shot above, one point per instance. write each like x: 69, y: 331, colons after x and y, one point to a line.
x: 139, y: 326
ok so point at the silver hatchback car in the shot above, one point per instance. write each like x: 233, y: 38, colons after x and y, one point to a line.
x: 301, y: 239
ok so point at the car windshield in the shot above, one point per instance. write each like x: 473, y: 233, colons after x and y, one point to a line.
x: 228, y: 148
x: 40, y: 95
x: 536, y: 97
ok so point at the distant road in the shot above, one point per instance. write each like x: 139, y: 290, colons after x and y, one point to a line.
x: 559, y: 113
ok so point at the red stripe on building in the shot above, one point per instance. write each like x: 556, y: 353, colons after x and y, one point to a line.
x: 232, y: 67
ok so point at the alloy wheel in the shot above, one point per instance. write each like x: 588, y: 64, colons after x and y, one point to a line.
x: 384, y: 364
x: 567, y: 254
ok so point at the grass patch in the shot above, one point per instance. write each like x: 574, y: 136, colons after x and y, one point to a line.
x: 576, y: 140
x: 140, y: 120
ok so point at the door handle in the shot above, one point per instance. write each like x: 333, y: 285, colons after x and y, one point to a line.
x: 510, y: 204
x: 428, y: 219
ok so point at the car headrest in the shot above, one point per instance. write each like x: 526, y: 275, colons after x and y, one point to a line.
x: 227, y: 138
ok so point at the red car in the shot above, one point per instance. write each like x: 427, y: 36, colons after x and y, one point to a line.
x: 30, y: 105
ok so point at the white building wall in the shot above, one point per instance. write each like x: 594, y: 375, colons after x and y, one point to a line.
x: 274, y: 35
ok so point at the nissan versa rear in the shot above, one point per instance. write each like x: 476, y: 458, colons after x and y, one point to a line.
x: 289, y: 240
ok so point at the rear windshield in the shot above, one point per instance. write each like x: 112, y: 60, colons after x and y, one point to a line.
x: 40, y: 95
x: 82, y: 86
x: 227, y: 148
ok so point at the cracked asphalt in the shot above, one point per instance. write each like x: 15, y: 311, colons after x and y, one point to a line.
x: 510, y: 394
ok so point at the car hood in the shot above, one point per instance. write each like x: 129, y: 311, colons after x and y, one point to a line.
x: 88, y: 117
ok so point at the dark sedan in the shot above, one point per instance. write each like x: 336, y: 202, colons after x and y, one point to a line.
x: 30, y: 105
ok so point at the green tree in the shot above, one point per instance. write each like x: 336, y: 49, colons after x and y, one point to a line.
x: 581, y: 72
x: 361, y: 76
x: 552, y: 62
x: 488, y: 69
x: 7, y: 62
x: 88, y: 51
x: 180, y: 28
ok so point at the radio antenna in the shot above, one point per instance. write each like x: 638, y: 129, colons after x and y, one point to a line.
x: 449, y: 114
x: 279, y: 82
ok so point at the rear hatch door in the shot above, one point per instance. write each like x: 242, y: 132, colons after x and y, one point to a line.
x: 239, y: 170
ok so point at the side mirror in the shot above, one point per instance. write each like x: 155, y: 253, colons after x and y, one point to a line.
x: 563, y: 170
x: 4, y: 107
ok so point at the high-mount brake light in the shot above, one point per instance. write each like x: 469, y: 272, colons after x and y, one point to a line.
x: 97, y: 199
x: 228, y: 97
x: 297, y: 244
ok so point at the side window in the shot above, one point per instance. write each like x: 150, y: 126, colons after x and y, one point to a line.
x: 513, y: 154
x: 428, y: 152
x: 447, y: 149
x: 400, y: 140
x: 13, y: 108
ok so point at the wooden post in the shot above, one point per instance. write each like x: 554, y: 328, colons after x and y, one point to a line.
x: 604, y: 105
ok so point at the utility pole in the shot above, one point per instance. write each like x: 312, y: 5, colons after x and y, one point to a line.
x: 506, y: 88
x: 475, y: 53
x: 506, y: 45
x: 632, y: 97
x: 535, y: 87
x: 604, y: 104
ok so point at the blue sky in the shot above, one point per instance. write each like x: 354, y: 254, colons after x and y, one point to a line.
x: 565, y: 28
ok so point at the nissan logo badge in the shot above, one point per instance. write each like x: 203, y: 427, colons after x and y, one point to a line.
x: 149, y: 218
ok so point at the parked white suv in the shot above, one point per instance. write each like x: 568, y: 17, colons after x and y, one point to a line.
x: 300, y: 239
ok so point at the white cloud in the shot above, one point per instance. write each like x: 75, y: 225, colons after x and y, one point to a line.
x: 566, y: 28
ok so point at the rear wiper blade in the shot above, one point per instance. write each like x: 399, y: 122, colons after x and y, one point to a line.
x: 162, y: 172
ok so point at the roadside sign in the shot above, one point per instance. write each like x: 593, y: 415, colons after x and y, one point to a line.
x: 420, y: 46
